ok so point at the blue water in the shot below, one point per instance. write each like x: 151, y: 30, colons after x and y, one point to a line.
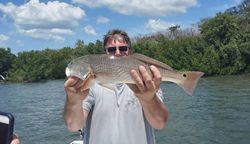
x: 218, y: 113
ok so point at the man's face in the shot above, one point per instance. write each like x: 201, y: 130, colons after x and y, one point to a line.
x: 117, y: 46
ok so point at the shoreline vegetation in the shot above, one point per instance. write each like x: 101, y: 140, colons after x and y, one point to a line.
x: 217, y: 46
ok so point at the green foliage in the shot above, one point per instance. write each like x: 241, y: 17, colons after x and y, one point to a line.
x: 34, y: 66
x: 209, y: 61
x: 38, y: 65
x: 6, y: 60
x: 29, y: 66
x: 222, y: 34
x: 80, y: 49
x: 91, y: 48
x: 220, y: 30
x: 244, y: 42
x: 96, y: 48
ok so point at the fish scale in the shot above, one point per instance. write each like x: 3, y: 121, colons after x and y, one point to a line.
x: 116, y: 67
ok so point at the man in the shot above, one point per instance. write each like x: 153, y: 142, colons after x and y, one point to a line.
x: 124, y: 114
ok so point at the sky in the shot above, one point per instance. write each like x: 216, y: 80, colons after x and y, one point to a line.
x: 27, y: 25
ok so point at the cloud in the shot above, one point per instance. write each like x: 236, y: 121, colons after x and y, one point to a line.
x: 102, y: 20
x: 19, y: 42
x: 55, y: 34
x: 3, y: 39
x: 90, y: 30
x: 53, y: 18
x: 142, y: 7
x: 158, y: 25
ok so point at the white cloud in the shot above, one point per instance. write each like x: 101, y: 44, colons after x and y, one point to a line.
x: 19, y: 42
x: 102, y: 20
x: 53, y: 18
x: 90, y: 30
x: 55, y: 34
x: 142, y: 7
x: 158, y: 25
x: 3, y: 38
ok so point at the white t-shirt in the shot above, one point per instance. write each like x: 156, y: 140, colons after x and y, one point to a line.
x: 117, y: 117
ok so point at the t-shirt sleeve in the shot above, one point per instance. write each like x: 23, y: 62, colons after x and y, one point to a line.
x: 89, y: 101
x: 160, y: 95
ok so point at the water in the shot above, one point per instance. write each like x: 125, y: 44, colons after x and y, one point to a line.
x: 218, y: 113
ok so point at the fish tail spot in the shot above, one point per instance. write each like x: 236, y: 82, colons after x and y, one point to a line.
x: 184, y: 75
x: 191, y: 79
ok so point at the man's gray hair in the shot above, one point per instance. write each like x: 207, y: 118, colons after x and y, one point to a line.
x: 113, y: 32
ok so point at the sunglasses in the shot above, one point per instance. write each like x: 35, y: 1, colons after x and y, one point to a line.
x: 113, y: 49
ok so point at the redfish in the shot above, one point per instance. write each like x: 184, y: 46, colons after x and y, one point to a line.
x: 106, y: 69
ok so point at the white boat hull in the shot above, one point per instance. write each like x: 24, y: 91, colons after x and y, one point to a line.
x: 77, y: 142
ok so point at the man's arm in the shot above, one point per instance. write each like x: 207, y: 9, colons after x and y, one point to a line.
x: 155, y: 112
x: 74, y: 115
x: 145, y: 89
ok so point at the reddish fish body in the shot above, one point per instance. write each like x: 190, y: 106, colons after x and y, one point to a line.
x: 110, y: 69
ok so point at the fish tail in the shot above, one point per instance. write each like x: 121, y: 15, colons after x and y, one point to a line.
x: 191, y: 80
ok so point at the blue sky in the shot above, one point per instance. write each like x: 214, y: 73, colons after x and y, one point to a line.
x: 38, y: 24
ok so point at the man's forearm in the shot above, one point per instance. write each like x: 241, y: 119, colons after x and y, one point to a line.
x: 73, y: 114
x: 155, y: 112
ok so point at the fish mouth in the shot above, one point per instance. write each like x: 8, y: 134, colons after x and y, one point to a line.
x: 68, y: 73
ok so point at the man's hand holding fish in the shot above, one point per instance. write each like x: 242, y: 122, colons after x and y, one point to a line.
x: 146, y: 85
x: 73, y: 86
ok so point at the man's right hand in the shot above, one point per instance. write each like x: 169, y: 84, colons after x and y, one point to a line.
x: 73, y: 88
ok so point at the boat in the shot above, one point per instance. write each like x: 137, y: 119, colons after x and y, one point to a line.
x: 77, y: 142
x: 80, y: 141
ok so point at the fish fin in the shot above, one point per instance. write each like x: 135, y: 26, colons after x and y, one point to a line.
x: 151, y: 61
x: 191, y: 80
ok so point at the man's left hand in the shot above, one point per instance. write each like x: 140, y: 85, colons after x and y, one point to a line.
x: 146, y: 85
